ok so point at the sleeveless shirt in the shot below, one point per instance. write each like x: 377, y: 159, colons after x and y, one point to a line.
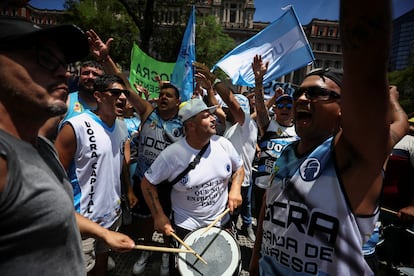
x: 155, y: 135
x: 96, y: 168
x: 309, y: 227
x: 271, y: 145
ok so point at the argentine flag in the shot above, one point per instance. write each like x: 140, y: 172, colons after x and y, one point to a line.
x: 183, y: 73
x: 283, y: 43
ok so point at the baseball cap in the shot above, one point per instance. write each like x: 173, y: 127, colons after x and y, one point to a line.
x: 284, y: 97
x: 70, y: 38
x: 192, y: 107
x: 332, y: 73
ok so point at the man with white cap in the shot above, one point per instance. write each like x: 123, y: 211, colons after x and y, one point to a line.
x: 200, y: 195
x: 39, y: 231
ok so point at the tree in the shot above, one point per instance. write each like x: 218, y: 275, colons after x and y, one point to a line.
x: 211, y: 42
x: 109, y: 19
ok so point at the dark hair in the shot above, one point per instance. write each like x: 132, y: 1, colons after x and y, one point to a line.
x: 91, y: 63
x: 166, y: 85
x: 332, y: 73
x: 103, y: 82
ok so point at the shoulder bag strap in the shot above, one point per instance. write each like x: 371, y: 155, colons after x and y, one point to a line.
x: 192, y: 164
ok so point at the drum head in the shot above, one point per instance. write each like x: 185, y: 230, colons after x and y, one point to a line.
x: 217, y: 247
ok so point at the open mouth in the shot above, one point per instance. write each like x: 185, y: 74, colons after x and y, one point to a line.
x: 303, y: 115
x: 120, y: 105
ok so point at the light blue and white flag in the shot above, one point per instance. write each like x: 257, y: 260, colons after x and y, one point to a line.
x: 183, y: 73
x: 283, y: 43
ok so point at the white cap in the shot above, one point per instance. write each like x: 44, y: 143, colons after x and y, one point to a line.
x: 192, y: 107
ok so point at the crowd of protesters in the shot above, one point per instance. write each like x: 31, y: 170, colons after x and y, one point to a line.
x: 77, y: 165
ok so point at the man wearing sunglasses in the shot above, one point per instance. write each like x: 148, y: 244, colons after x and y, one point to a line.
x: 275, y: 133
x: 323, y: 200
x: 91, y: 148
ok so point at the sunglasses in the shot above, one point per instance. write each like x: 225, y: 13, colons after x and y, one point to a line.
x: 315, y: 93
x: 116, y: 92
x: 282, y: 105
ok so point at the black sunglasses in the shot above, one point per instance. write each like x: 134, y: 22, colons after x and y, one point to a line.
x: 116, y: 92
x: 316, y: 93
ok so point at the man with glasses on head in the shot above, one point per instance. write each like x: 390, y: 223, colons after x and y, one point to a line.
x: 323, y: 200
x: 91, y: 148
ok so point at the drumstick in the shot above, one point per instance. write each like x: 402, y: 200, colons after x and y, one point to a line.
x: 389, y: 211
x: 161, y: 249
x: 216, y: 220
x: 188, y: 247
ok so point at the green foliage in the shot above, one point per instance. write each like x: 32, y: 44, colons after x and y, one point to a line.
x: 404, y: 80
x: 121, y: 20
x: 211, y: 42
x: 109, y: 19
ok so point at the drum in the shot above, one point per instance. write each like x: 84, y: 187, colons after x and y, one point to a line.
x: 217, y: 247
x: 405, y: 270
x: 396, y: 245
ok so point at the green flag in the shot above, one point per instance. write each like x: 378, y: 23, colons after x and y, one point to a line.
x: 144, y: 69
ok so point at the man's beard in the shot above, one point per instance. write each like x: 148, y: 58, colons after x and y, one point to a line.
x: 83, y: 88
x: 56, y: 110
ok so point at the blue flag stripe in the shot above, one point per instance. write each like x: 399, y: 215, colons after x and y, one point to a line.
x: 278, y: 43
x: 183, y: 73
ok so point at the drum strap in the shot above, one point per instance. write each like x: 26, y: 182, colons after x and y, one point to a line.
x: 192, y: 164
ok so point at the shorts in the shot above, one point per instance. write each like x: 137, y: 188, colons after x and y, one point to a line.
x: 142, y: 210
x: 91, y: 247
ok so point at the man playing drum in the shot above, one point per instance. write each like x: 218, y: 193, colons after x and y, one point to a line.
x: 203, y: 192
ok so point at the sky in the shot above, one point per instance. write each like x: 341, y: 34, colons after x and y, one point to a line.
x: 270, y: 10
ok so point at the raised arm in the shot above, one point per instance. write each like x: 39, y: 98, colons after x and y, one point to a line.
x: 399, y: 120
x: 211, y: 98
x: 100, y: 50
x: 225, y: 93
x: 262, y: 113
x: 362, y: 145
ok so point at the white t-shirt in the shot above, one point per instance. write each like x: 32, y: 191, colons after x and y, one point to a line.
x: 407, y: 144
x: 202, y: 194
x: 244, y: 139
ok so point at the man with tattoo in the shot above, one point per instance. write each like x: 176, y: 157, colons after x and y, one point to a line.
x: 323, y: 200
x: 203, y: 193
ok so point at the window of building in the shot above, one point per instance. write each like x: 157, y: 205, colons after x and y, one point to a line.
x: 338, y: 64
x: 320, y: 31
x: 338, y: 49
x: 318, y: 46
x: 328, y: 47
x: 233, y: 12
